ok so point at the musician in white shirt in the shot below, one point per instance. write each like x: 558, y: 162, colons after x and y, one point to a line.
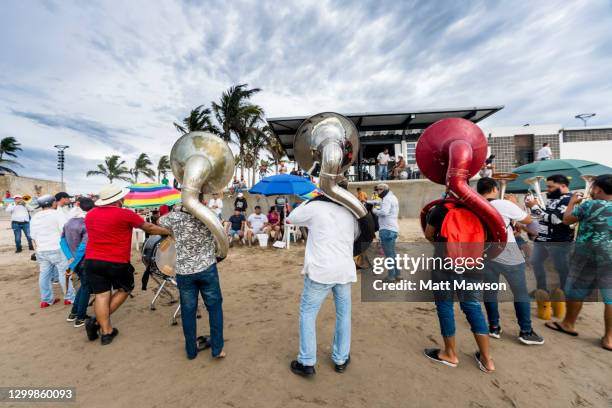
x: 544, y: 153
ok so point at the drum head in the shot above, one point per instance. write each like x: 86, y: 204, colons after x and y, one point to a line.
x: 165, y: 256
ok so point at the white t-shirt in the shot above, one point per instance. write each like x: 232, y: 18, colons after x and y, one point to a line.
x: 46, y: 229
x: 19, y: 213
x: 383, y: 159
x: 329, y: 249
x: 544, y: 153
x: 509, y: 211
x: 218, y: 203
x: 257, y: 221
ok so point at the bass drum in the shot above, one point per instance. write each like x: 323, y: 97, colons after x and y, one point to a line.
x: 159, y: 254
x: 165, y: 256
x: 149, y: 248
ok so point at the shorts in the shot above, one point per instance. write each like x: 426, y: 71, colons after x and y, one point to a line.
x: 586, y: 277
x: 234, y: 232
x: 104, y: 276
x: 520, y: 241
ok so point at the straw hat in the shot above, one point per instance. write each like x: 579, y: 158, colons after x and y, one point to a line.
x: 111, y: 194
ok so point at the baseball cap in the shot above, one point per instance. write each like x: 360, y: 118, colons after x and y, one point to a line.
x: 17, y: 196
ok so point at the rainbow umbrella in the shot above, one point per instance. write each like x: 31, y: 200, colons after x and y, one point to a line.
x: 143, y: 195
x: 309, y: 196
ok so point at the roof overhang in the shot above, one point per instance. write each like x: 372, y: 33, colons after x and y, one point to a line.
x: 373, y: 125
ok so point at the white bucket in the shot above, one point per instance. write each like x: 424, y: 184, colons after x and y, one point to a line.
x: 263, y: 240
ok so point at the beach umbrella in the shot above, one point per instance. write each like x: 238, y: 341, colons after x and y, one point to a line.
x: 283, y: 184
x: 570, y: 168
x: 144, y: 195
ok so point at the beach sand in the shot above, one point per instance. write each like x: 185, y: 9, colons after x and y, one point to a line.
x: 146, y: 365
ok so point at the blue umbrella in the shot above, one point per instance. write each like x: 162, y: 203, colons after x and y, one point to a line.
x: 283, y: 184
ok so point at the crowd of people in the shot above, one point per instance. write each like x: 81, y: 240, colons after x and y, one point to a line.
x: 91, y: 238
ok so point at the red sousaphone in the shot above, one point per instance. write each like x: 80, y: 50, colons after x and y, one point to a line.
x: 450, y: 152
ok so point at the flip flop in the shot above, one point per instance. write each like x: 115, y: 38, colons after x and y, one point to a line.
x: 557, y: 327
x: 433, y: 355
x: 604, y: 347
x: 480, y: 365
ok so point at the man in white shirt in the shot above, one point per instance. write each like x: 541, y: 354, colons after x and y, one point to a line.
x: 544, y: 153
x: 20, y: 221
x: 511, y: 264
x: 257, y: 224
x: 47, y: 226
x: 388, y: 227
x: 216, y: 204
x: 328, y: 265
x: 62, y: 200
x: 383, y: 161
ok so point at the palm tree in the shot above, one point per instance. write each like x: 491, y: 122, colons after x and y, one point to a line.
x: 236, y: 115
x: 276, y: 150
x: 198, y: 119
x: 256, y: 143
x: 163, y: 167
x: 142, y: 166
x: 9, y: 146
x: 113, y: 168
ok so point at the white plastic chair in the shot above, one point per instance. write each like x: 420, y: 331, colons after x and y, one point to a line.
x: 290, y: 230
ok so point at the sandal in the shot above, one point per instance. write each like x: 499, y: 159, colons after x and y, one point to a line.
x: 433, y: 355
x: 482, y: 367
x: 557, y: 327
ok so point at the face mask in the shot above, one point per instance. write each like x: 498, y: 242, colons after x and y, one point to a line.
x: 554, y: 194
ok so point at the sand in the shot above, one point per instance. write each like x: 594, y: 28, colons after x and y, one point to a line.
x: 146, y: 365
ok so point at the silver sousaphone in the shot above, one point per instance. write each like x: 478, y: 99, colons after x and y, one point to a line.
x: 203, y: 163
x: 331, y: 140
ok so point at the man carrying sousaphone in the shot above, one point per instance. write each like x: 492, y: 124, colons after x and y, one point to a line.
x: 107, y: 257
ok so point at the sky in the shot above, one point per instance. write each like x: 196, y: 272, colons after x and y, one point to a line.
x: 110, y: 77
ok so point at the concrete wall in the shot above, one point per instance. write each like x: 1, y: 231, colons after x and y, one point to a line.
x: 412, y: 196
x: 28, y: 185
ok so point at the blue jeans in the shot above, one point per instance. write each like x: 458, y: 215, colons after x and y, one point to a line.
x: 81, y: 300
x: 312, y: 298
x: 559, y: 251
x: 205, y: 283
x: 469, y: 302
x: 17, y: 228
x: 383, y: 172
x: 51, y: 262
x: 387, y: 241
x: 515, y: 275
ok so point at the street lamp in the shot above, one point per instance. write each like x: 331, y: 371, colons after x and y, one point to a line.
x: 60, y: 160
x: 584, y: 117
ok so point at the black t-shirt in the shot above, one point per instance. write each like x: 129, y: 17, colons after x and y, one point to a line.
x: 241, y: 204
x: 435, y: 218
x: 236, y: 221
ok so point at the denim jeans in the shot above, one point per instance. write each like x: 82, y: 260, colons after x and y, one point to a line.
x: 469, y: 301
x: 559, y: 251
x: 17, y: 228
x: 387, y: 241
x: 81, y: 300
x: 205, y: 283
x: 383, y: 172
x: 515, y: 275
x: 51, y: 262
x: 312, y: 298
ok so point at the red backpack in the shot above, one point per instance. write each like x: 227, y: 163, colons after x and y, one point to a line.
x: 463, y: 233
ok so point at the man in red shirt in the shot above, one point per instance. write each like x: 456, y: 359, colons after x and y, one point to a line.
x: 107, y: 257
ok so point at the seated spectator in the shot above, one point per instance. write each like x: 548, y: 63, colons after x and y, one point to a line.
x: 399, y: 167
x: 274, y: 222
x: 235, y: 185
x: 235, y: 226
x: 257, y: 223
x: 242, y: 185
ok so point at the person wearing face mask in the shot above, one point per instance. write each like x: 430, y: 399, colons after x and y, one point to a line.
x: 554, y: 237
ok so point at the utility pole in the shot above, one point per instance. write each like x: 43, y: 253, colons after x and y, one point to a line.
x: 60, y: 160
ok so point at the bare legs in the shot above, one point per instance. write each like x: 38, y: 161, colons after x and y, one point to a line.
x: 105, y: 305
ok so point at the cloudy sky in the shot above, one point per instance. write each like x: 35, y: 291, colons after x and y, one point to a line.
x: 110, y: 77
